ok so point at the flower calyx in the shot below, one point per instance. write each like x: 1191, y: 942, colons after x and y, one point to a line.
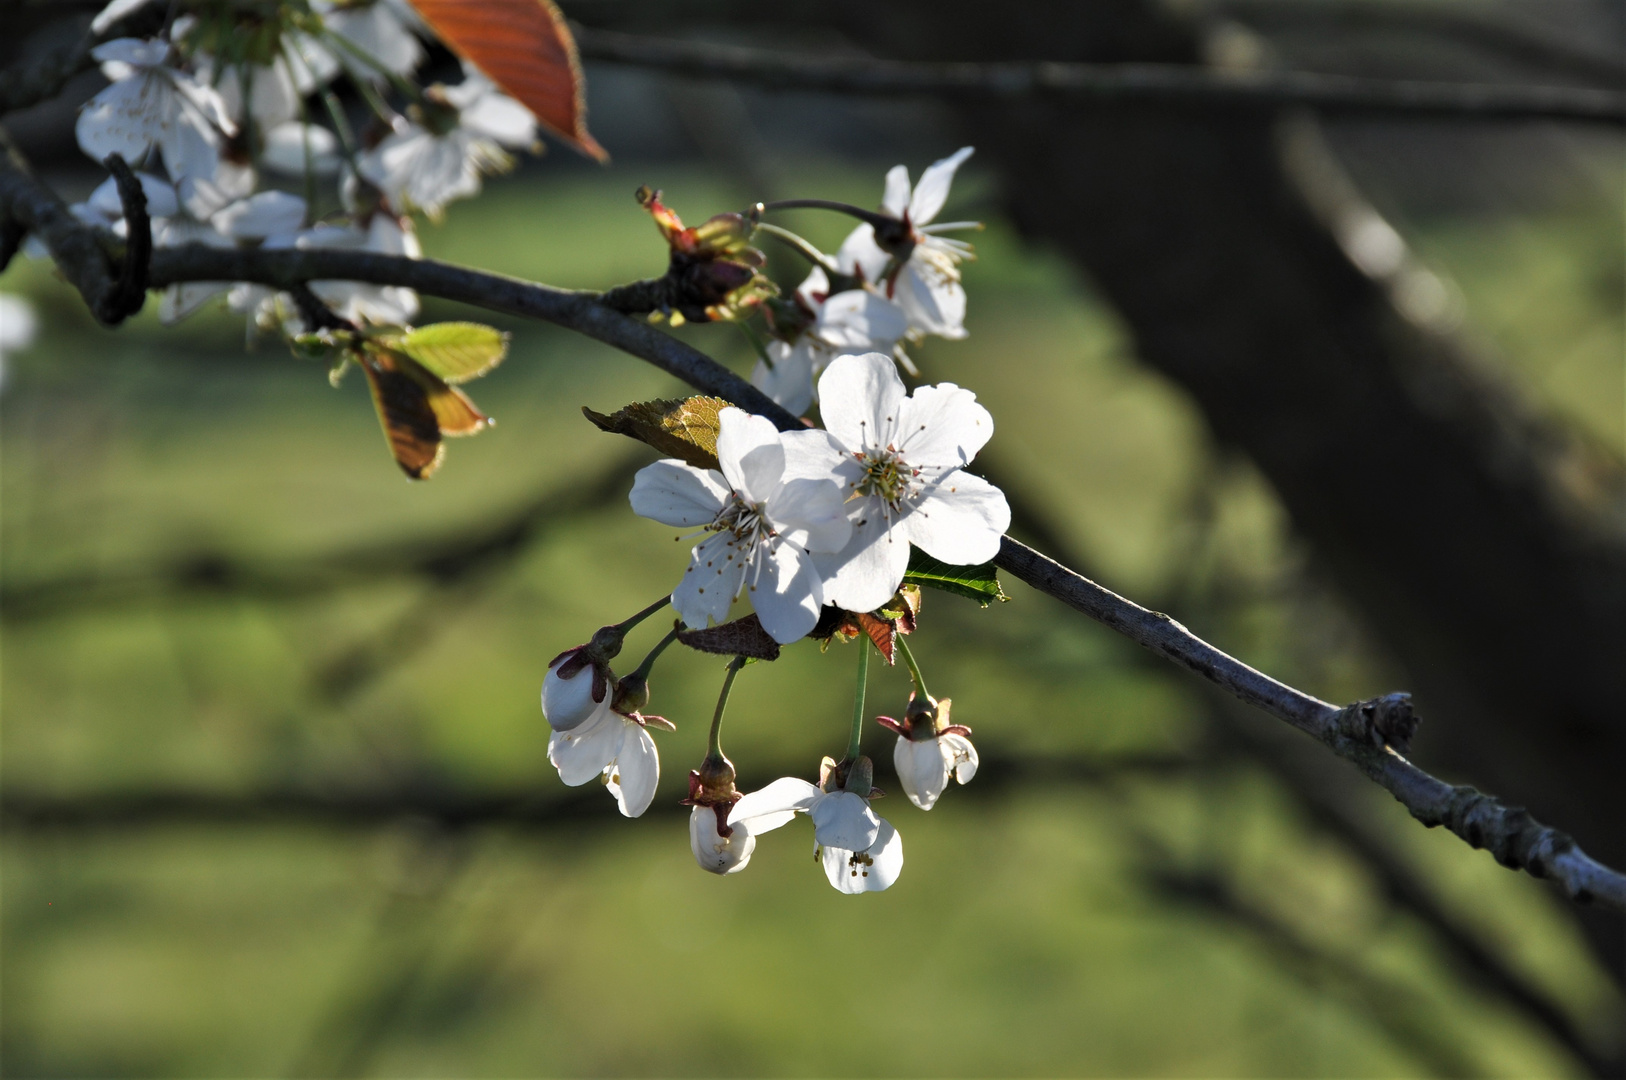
x: 925, y: 717
x: 898, y: 615
x: 856, y: 775
x: 630, y: 698
x: 712, y: 785
x: 579, y: 680
x: 714, y: 273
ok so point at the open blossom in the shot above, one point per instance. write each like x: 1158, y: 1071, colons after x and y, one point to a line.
x: 765, y: 528
x: 901, y: 462
x: 860, y: 852
x: 152, y: 104
x: 843, y: 324
x: 929, y: 750
x: 918, y: 268
x: 426, y: 166
x: 612, y: 746
x: 724, y: 835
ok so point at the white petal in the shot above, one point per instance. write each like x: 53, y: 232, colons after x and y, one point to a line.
x: 581, y: 755
x: 190, y: 146
x: 942, y: 427
x: 934, y: 304
x: 784, y: 796
x: 294, y: 148
x: 748, y: 449
x: 896, y: 199
x: 377, y: 31
x: 961, y: 756
x: 861, y: 255
x: 715, y: 852
x: 711, y: 581
x: 786, y: 592
x: 932, y: 191
x: 814, y: 454
x: 673, y: 492
x: 636, y: 772
x: 811, y: 513
x: 134, y: 51
x: 566, y: 703
x: 123, y: 119
x: 860, y: 321
x: 161, y: 201
x: 959, y: 520
x: 859, y: 398
x: 389, y: 236
x: 181, y: 300
x: 500, y: 117
x: 203, y: 196
x: 869, y: 871
x: 865, y: 574
x: 261, y: 215
x: 814, y: 288
x: 790, y: 381
x: 112, y: 13
x: 843, y: 819
x: 921, y: 769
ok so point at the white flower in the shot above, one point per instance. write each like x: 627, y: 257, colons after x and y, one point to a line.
x: 850, y: 322
x: 294, y: 149
x: 573, y: 690
x: 924, y: 765
x: 614, y: 747
x: 764, y: 528
x: 355, y: 301
x: 927, y: 283
x: 423, y: 169
x: 900, y: 462
x: 379, y: 31
x: 115, y: 11
x: 860, y: 852
x: 151, y: 104
x: 18, y: 326
x: 747, y: 818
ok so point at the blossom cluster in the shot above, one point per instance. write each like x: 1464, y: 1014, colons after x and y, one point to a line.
x: 815, y: 528
x: 220, y: 107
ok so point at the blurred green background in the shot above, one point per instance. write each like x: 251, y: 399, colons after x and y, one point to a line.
x: 1122, y: 890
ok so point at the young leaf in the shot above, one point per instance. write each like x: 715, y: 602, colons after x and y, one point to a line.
x: 455, y: 351
x: 979, y: 583
x: 410, y: 425
x: 685, y: 428
x: 525, y: 48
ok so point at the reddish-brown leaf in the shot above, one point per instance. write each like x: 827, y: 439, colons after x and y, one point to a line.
x: 409, y: 422
x: 742, y: 637
x: 524, y: 47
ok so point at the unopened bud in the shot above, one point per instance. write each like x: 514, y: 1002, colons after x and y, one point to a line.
x: 606, y: 643
x: 574, y: 689
x: 631, y: 694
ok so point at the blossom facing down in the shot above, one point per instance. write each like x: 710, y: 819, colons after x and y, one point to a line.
x: 765, y: 528
x: 871, y: 869
x: 463, y: 137
x: 574, y: 689
x: 916, y: 267
x: 151, y: 104
x: 723, y: 835
x: 900, y: 462
x: 860, y: 852
x: 843, y: 324
x: 614, y: 748
x: 929, y: 750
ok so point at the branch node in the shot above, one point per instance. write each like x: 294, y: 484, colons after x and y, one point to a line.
x: 1379, y: 722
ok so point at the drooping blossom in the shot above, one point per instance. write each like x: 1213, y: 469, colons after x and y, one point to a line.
x: 723, y: 835
x: 152, y: 104
x: 913, y: 264
x: 901, y: 462
x: 843, y: 324
x: 929, y: 750
x: 616, y: 747
x: 860, y: 852
x: 462, y: 136
x: 574, y: 688
x: 765, y: 528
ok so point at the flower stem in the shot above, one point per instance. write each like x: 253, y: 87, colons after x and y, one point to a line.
x: 914, y: 668
x: 799, y: 245
x: 643, y: 669
x: 853, y: 748
x: 879, y: 220
x: 628, y: 624
x: 714, y: 746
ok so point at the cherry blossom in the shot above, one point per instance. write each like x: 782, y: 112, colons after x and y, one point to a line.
x: 465, y: 130
x: 612, y: 746
x: 573, y: 689
x: 152, y: 104
x: 929, y: 750
x: 919, y: 268
x: 849, y: 322
x: 869, y: 869
x: 380, y: 31
x: 745, y: 819
x: 901, y: 464
x: 765, y: 528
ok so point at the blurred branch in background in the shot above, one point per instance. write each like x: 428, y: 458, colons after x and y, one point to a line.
x: 1105, y: 84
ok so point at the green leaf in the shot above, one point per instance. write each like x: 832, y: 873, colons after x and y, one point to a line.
x: 979, y: 583
x: 455, y: 351
x: 684, y: 428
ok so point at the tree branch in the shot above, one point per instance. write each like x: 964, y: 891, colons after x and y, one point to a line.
x: 1362, y: 733
x: 1163, y: 84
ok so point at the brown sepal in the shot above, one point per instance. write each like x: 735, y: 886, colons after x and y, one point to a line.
x: 742, y: 637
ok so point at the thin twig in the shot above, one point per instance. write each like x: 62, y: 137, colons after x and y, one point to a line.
x: 1163, y: 84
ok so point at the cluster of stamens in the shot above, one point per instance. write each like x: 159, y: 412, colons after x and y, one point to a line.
x: 886, y: 475
x: 749, y: 527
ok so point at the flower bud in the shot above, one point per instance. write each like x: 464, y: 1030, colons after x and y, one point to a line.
x: 717, y: 847
x: 573, y: 690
